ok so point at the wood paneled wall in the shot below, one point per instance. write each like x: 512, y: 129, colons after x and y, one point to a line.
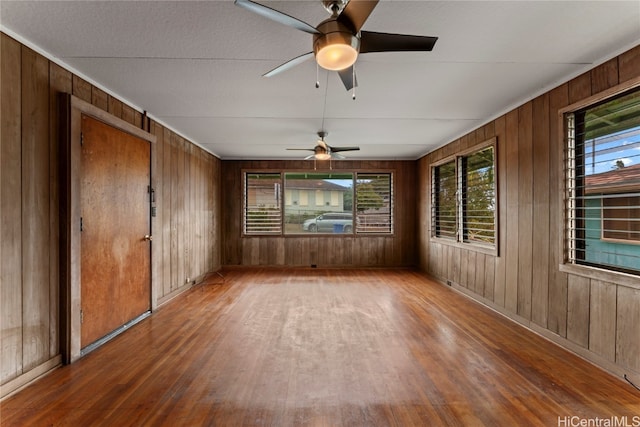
x: 186, y: 229
x: 375, y: 251
x: 598, y: 317
x: 186, y: 233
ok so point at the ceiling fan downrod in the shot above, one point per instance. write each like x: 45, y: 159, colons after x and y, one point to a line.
x: 334, y: 7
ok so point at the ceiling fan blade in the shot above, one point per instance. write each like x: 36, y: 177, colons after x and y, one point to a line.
x: 289, y: 64
x: 385, y: 42
x: 338, y: 149
x: 348, y: 78
x: 301, y: 149
x: 357, y: 12
x: 337, y: 156
x: 277, y: 16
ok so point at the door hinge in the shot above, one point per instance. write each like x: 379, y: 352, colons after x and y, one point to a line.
x: 81, y: 316
x: 81, y: 225
x: 81, y: 138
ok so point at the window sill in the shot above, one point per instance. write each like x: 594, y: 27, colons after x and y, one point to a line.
x: 622, y: 279
x: 468, y: 246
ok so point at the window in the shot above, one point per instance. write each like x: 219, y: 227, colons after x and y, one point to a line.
x: 463, y: 198
x: 444, y: 204
x: 373, y: 203
x: 318, y: 202
x: 319, y: 215
x: 478, y: 197
x: 263, y: 214
x: 603, y: 184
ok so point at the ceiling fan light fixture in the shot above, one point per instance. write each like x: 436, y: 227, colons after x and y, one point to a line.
x: 336, y: 48
x: 322, y: 156
x: 336, y: 56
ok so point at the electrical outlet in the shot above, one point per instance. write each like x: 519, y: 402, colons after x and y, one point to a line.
x: 188, y: 280
x: 449, y: 282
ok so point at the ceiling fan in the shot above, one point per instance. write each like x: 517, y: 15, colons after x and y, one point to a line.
x: 338, y: 40
x: 324, y: 151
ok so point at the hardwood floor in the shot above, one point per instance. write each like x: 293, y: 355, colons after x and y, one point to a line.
x: 286, y: 347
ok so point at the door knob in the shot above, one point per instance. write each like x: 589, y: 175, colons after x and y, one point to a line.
x: 148, y: 237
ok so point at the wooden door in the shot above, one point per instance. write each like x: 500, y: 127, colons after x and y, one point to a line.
x: 115, y: 218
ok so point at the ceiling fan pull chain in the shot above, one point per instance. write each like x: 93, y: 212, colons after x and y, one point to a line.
x: 317, y: 76
x: 353, y: 77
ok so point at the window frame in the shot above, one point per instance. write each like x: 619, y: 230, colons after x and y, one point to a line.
x: 461, y: 218
x: 283, y: 171
x: 566, y: 229
x: 245, y: 203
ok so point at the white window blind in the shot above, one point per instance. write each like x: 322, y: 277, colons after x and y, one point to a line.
x: 463, y: 198
x: 478, y: 197
x: 374, y: 203
x: 443, y: 201
x: 262, y: 201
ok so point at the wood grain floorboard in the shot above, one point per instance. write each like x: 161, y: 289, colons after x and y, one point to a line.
x: 314, y: 347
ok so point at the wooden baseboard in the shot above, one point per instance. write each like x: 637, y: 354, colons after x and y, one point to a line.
x: 24, y: 380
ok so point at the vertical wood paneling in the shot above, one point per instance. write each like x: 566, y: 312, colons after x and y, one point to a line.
x: 11, y: 207
x: 525, y: 208
x: 499, y: 286
x: 60, y: 81
x: 627, y: 334
x: 30, y: 197
x: 604, y: 76
x: 99, y: 98
x: 471, y: 270
x: 424, y: 212
x: 579, y: 88
x: 479, y: 273
x: 629, y: 65
x: 179, y: 196
x: 128, y: 114
x: 165, y: 207
x: 81, y: 89
x: 157, y: 184
x: 396, y: 250
x: 187, y: 237
x: 433, y: 259
x: 457, y: 262
x: 602, y: 319
x: 527, y: 279
x: 451, y: 265
x: 35, y: 208
x: 114, y: 106
x: 578, y: 310
x: 175, y: 221
x: 464, y: 268
x: 511, y: 229
x: 540, y: 241
x: 557, y: 312
x: 196, y: 209
x: 213, y: 213
x: 489, y: 277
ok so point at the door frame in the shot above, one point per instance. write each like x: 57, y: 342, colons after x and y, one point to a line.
x: 71, y: 111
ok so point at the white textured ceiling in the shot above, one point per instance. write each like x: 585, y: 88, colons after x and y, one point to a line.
x: 196, y: 67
